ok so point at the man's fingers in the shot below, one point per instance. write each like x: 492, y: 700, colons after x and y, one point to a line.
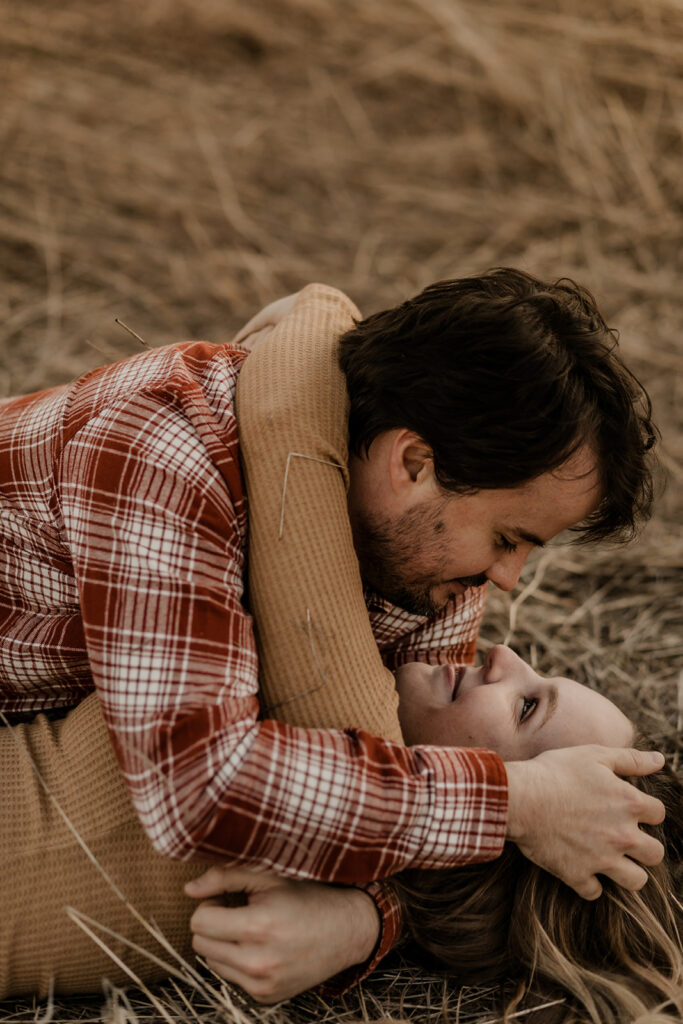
x: 652, y: 812
x: 230, y: 955
x: 220, y: 879
x: 262, y: 990
x: 211, y: 883
x: 223, y: 971
x: 626, y: 872
x: 588, y: 889
x: 225, y: 924
x: 647, y: 850
x: 586, y: 815
x: 237, y: 977
x: 629, y: 875
x: 627, y: 761
x: 241, y: 965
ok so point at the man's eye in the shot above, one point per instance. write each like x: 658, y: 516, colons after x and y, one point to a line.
x: 528, y: 706
x: 505, y: 544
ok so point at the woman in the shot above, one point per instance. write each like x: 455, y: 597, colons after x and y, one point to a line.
x: 612, y: 960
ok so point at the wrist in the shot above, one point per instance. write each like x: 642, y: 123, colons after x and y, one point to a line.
x: 518, y: 799
x: 365, y: 924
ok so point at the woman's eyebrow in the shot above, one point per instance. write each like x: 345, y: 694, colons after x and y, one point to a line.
x: 551, y: 705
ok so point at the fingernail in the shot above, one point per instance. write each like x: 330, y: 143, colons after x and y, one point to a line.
x: 657, y: 758
x: 191, y: 886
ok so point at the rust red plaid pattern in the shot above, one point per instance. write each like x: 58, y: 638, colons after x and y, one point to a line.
x: 122, y: 543
x: 450, y: 636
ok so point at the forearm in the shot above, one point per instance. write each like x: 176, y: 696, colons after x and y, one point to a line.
x: 339, y: 806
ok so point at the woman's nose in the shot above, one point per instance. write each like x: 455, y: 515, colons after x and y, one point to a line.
x: 501, y: 662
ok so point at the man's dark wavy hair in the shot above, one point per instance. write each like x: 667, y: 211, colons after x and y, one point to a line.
x: 505, y: 377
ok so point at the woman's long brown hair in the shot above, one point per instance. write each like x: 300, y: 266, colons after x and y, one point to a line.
x: 615, y: 960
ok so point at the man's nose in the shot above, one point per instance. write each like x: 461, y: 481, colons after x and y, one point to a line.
x: 504, y: 573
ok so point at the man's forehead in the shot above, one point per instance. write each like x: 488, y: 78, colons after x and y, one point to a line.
x: 539, y: 509
x: 582, y: 467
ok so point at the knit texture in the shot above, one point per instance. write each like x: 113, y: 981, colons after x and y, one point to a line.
x: 319, y: 665
x: 43, y: 869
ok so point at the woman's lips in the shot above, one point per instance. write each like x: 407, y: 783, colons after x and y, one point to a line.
x: 458, y: 673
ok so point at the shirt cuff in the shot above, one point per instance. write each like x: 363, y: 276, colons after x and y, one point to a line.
x: 391, y: 922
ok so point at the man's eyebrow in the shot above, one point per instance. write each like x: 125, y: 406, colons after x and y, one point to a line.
x: 551, y: 706
x: 530, y: 537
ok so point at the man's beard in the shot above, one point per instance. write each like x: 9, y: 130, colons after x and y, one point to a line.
x: 401, y: 557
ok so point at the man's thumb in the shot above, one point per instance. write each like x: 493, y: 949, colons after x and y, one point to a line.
x: 636, y: 762
x: 218, y: 880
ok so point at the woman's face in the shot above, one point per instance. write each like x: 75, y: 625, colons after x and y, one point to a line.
x: 504, y: 706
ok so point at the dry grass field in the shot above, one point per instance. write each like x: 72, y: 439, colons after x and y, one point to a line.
x: 178, y: 164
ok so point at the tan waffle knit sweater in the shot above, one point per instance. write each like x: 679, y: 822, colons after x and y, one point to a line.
x: 319, y: 664
x: 320, y: 667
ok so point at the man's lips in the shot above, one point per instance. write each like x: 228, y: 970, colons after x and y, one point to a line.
x: 457, y: 673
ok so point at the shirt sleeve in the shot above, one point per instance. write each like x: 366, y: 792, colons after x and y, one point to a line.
x: 157, y: 546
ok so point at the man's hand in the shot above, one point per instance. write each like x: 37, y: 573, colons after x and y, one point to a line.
x: 289, y: 937
x: 571, y: 814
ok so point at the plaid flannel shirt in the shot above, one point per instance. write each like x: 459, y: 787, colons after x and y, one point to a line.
x: 123, y: 525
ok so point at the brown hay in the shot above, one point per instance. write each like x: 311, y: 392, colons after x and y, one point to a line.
x: 177, y: 165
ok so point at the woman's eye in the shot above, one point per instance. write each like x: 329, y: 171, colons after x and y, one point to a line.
x: 528, y: 705
x: 505, y: 544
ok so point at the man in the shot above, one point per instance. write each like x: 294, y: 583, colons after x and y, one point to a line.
x: 124, y: 536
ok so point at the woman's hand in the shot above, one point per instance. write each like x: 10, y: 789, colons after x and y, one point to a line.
x: 289, y: 937
x: 263, y: 322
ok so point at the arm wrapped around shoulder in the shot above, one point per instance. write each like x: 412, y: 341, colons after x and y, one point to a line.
x: 319, y: 662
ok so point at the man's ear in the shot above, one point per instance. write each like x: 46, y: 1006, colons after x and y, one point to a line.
x: 411, y: 461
